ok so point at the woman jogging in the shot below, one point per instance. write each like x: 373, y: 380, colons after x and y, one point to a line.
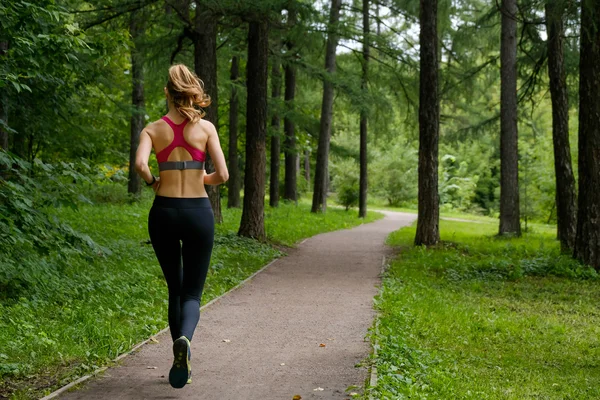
x: 181, y: 222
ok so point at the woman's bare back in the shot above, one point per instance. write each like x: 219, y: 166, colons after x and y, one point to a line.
x: 180, y: 183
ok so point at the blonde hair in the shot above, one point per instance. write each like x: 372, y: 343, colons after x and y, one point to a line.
x: 186, y: 91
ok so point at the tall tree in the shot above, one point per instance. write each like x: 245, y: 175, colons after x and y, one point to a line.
x: 509, y: 152
x: 566, y: 204
x: 136, y: 30
x: 362, y: 198
x: 275, y: 138
x: 289, y: 144
x: 205, y: 65
x: 253, y: 221
x: 428, y: 231
x: 307, y: 166
x: 233, y: 198
x: 319, y: 202
x: 587, y: 243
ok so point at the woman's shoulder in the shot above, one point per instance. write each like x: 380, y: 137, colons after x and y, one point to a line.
x: 206, y: 126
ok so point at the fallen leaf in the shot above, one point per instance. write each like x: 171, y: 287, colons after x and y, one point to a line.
x: 322, y: 345
x: 297, y: 397
x: 319, y: 389
x: 153, y: 340
x: 226, y: 340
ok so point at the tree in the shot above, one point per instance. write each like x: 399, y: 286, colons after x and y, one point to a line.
x: 233, y: 198
x: 138, y: 112
x: 275, y: 138
x: 319, y: 202
x: 290, y: 191
x: 253, y: 222
x: 362, y: 199
x: 428, y: 231
x: 565, y: 182
x: 205, y: 65
x: 509, y: 152
x: 307, y: 166
x: 587, y: 243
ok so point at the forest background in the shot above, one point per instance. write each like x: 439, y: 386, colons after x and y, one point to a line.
x: 79, y: 80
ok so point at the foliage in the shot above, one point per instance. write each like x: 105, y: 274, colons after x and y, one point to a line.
x: 394, y: 174
x: 480, y: 317
x: 346, y: 182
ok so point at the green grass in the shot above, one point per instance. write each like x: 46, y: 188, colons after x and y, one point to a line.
x: 84, y: 312
x: 479, y: 317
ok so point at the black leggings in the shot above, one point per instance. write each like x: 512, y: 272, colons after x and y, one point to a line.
x: 182, y: 229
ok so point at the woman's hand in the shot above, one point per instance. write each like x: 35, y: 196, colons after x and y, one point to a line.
x: 156, y: 184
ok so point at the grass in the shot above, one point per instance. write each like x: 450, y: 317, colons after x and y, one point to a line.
x: 84, y: 312
x: 479, y: 317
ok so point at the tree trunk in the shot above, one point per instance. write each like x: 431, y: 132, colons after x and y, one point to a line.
x: 428, y: 231
x: 587, y: 243
x: 3, y: 104
x: 362, y: 198
x: 289, y: 146
x: 509, y: 152
x: 253, y: 223
x: 233, y: 199
x: 307, y: 166
x: 205, y: 65
x: 319, y: 202
x: 136, y: 30
x: 566, y: 204
x: 275, y: 138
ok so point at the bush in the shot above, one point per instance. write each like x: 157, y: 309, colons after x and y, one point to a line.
x: 395, y: 174
x: 346, y: 182
x: 28, y: 230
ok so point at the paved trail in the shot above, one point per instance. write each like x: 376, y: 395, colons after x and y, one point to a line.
x: 322, y: 292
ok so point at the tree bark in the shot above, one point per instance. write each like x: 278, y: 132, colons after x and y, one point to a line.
x: 428, y: 231
x: 362, y: 198
x: 509, y: 152
x: 233, y: 199
x: 136, y: 30
x: 275, y: 138
x: 319, y: 202
x: 290, y: 189
x: 205, y: 65
x: 566, y: 202
x: 307, y: 166
x: 587, y: 243
x: 252, y: 223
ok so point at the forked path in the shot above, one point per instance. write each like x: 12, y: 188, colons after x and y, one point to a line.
x: 265, y: 340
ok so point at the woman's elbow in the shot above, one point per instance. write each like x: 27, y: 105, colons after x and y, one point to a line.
x: 140, y: 166
x: 224, y: 175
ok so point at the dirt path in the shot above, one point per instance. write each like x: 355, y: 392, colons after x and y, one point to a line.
x: 263, y: 341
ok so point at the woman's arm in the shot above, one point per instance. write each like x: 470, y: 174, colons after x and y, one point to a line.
x: 213, y: 146
x: 141, y: 157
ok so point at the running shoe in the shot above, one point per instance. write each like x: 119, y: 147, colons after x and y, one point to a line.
x: 180, y: 371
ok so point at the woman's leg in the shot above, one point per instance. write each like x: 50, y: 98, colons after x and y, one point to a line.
x: 167, y: 247
x: 198, y: 237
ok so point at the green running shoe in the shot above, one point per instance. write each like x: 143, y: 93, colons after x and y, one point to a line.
x: 180, y: 371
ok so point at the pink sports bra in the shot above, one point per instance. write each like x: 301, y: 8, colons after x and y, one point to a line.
x: 198, y: 156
